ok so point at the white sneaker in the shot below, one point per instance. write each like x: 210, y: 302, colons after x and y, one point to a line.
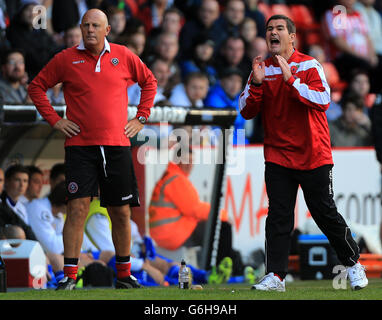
x: 270, y: 282
x: 357, y: 276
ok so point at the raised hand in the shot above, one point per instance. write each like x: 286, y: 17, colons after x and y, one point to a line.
x: 258, y: 70
x: 284, y: 67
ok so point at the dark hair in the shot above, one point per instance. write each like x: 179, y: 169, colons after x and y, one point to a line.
x: 354, y: 98
x: 194, y: 75
x: 56, y: 170
x: 112, y: 10
x: 173, y: 10
x: 232, y: 36
x: 58, y: 195
x: 16, y: 168
x: 356, y: 72
x: 153, y: 62
x: 5, y: 55
x: 33, y: 169
x: 289, y: 22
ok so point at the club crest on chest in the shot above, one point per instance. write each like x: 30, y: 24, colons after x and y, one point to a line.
x: 114, y: 61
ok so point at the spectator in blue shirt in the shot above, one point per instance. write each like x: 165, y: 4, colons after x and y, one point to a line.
x: 225, y: 94
x: 201, y: 61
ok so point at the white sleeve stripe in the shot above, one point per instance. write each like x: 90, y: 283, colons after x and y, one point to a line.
x: 311, y: 95
x: 320, y: 97
x: 244, y: 95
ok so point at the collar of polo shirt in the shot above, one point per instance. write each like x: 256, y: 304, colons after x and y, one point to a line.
x: 106, y: 47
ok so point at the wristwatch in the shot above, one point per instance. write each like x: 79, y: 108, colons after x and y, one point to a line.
x: 142, y: 119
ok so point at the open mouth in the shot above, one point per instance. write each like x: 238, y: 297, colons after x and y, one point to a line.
x: 275, y: 41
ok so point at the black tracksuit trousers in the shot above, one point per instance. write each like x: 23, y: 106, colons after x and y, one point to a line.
x: 282, y: 186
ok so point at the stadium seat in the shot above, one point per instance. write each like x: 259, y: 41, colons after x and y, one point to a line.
x: 281, y: 9
x: 307, y: 26
x: 302, y: 16
x: 265, y: 9
x: 373, y: 264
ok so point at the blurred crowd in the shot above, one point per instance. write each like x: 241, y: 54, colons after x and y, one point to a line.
x: 200, y: 51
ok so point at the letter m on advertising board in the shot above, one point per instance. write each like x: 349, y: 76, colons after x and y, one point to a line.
x: 247, y: 196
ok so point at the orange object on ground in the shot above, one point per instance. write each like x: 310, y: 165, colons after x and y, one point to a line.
x: 372, y: 263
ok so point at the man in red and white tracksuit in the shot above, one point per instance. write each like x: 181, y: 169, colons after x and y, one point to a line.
x: 290, y: 92
x: 95, y: 77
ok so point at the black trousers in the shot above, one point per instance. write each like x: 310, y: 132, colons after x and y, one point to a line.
x: 282, y: 186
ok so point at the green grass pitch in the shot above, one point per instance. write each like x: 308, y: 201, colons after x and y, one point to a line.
x: 297, y: 290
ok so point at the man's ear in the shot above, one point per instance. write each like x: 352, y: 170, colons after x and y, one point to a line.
x: 108, y: 28
x: 292, y: 37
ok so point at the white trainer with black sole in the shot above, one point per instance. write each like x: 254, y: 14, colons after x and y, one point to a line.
x: 357, y: 276
x: 270, y: 282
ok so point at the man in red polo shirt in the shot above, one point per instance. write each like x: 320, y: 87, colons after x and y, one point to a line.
x: 292, y: 94
x: 95, y: 77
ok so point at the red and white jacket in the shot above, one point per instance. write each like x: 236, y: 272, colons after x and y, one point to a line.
x: 296, y: 133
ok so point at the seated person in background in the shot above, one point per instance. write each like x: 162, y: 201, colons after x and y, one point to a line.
x: 248, y: 30
x: 57, y: 174
x: 257, y: 47
x: 167, y: 48
x: 177, y: 216
x: 161, y: 71
x: 136, y: 42
x: 353, y: 127
x: 330, y: 70
x: 72, y: 36
x: 47, y: 221
x: 12, y: 87
x: 117, y: 20
x: 350, y: 43
x: 172, y: 22
x: 204, y: 23
x: 333, y: 78
x: 232, y: 55
x: 201, y: 60
x: 38, y: 45
x: 10, y: 231
x: 192, y: 92
x: 359, y: 84
x: 34, y: 185
x: 7, y: 215
x: 150, y: 268
x: 225, y: 94
x: 15, y: 185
